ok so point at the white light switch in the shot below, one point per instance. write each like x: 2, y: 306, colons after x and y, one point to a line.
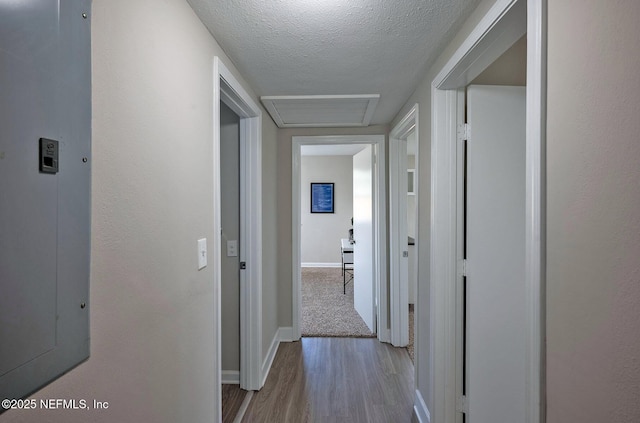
x: 232, y: 248
x: 202, y: 253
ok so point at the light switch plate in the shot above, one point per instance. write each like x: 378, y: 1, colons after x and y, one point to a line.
x: 232, y: 248
x: 202, y: 253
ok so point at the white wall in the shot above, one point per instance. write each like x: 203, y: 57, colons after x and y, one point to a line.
x: 593, y: 206
x: 321, y: 232
x: 153, y: 313
x: 230, y: 220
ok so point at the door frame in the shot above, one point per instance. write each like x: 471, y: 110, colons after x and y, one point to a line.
x: 399, y: 287
x: 227, y: 89
x: 380, y: 225
x: 504, y: 23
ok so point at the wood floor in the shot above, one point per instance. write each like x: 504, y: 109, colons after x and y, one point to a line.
x: 232, y: 397
x: 336, y: 380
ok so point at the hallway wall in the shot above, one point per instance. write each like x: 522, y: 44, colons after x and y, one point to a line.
x: 270, y: 240
x: 152, y: 312
x: 593, y: 206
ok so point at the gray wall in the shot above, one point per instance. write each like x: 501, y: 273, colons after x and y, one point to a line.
x: 153, y: 314
x: 320, y: 232
x: 270, y: 265
x: 230, y: 219
x: 593, y: 212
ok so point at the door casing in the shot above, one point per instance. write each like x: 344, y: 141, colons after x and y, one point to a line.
x: 227, y: 88
x: 398, y: 280
x: 503, y: 24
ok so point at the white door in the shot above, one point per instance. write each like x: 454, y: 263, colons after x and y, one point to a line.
x: 364, y: 281
x: 496, y: 326
x: 399, y: 248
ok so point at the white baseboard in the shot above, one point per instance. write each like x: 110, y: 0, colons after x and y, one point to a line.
x: 286, y: 334
x: 230, y: 377
x: 271, y: 354
x: 384, y: 335
x: 420, y: 408
x: 339, y: 265
x: 283, y: 334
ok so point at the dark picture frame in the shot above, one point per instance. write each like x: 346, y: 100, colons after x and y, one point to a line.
x: 322, y: 197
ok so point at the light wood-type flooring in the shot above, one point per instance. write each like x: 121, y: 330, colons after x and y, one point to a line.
x: 336, y: 380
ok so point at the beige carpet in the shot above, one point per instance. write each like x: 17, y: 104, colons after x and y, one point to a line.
x: 326, y: 311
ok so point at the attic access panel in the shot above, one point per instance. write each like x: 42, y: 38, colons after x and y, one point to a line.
x: 321, y: 110
x: 45, y: 113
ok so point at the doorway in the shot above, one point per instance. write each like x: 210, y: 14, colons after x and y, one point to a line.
x: 504, y: 23
x: 327, y: 222
x: 493, y: 293
x: 491, y: 289
x: 373, y: 310
x: 231, y: 248
x: 227, y: 90
x: 403, y: 211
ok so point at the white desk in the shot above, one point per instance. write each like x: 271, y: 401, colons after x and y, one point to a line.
x: 346, y: 250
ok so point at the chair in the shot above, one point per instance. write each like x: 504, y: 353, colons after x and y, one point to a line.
x: 347, y: 265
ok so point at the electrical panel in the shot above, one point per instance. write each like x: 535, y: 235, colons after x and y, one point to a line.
x: 45, y: 191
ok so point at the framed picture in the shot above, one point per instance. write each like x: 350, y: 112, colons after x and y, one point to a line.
x: 322, y: 197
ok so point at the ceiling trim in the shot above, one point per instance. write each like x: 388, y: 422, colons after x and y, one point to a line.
x: 298, y: 111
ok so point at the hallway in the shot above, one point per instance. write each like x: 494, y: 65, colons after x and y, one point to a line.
x: 111, y: 238
x: 336, y: 379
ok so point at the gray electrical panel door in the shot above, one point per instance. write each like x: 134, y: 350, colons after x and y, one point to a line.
x: 45, y: 187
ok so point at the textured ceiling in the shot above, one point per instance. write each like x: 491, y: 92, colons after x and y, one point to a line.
x: 331, y: 47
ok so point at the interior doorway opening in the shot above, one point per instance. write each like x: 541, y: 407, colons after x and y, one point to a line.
x: 373, y: 309
x: 503, y: 24
x: 228, y: 90
x: 493, y: 143
x: 404, y: 181
x: 327, y: 219
x: 231, y: 248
